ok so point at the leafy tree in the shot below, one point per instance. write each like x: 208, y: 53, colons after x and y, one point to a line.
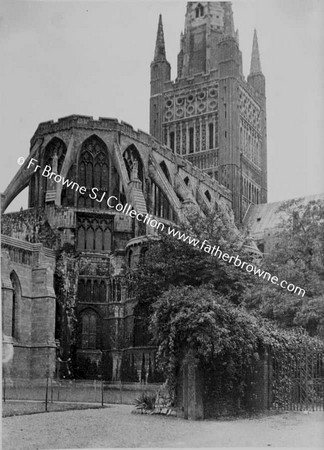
x: 298, y: 257
x: 173, y: 262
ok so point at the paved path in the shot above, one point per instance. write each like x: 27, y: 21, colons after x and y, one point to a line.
x: 114, y: 426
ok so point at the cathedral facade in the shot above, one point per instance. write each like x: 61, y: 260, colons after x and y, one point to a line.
x: 99, y: 190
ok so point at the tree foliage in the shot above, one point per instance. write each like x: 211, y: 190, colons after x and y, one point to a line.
x: 298, y: 257
x: 172, y: 262
x: 198, y: 302
x: 218, y: 333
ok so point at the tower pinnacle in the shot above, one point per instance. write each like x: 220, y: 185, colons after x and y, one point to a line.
x: 255, y: 59
x: 159, y: 54
x: 228, y: 20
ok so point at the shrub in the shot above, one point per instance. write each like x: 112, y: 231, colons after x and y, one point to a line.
x: 145, y: 401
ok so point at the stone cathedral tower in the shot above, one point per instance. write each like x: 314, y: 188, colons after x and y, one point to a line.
x: 210, y: 114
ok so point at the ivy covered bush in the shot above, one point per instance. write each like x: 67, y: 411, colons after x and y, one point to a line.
x: 226, y: 339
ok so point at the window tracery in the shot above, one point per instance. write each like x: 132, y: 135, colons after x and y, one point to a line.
x: 93, y: 172
x: 89, y: 321
x: 94, y: 233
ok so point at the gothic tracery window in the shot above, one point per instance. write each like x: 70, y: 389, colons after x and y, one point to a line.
x: 89, y: 321
x: 93, y: 173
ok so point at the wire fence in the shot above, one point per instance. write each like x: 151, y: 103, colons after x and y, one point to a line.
x: 51, y: 390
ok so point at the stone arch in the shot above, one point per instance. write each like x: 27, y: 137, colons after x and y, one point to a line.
x: 16, y: 304
x: 133, y: 163
x: 53, y: 156
x: 55, y: 151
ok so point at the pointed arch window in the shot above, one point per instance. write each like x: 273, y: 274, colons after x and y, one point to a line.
x: 199, y: 10
x: 89, y: 320
x: 16, y: 300
x: 93, y: 172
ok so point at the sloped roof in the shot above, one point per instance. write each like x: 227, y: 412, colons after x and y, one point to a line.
x: 266, y: 216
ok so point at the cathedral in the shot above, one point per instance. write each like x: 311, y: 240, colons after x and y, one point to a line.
x: 99, y: 191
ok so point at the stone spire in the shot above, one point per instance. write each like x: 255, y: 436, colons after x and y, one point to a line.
x: 255, y: 59
x: 160, y: 54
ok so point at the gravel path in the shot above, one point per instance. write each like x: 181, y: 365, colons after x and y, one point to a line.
x: 116, y: 427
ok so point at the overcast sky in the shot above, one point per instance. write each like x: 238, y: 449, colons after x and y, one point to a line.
x: 93, y: 58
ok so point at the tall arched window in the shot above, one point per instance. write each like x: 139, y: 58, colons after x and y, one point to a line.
x: 89, y: 322
x: 93, y: 172
x: 16, y: 299
x: 199, y: 10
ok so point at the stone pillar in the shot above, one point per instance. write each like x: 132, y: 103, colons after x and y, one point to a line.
x: 7, y: 306
x: 192, y: 385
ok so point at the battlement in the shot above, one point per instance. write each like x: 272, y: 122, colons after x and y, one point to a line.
x: 89, y: 122
x: 124, y: 128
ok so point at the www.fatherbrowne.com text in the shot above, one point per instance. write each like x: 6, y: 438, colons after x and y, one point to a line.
x: 112, y: 202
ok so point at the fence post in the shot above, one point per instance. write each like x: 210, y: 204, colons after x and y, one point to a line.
x: 46, y: 393
x: 102, y: 392
x: 51, y: 390
x: 4, y: 388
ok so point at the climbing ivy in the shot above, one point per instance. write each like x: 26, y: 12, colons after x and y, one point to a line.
x: 66, y: 285
x: 221, y: 335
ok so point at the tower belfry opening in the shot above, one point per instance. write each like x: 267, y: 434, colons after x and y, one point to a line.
x: 199, y: 10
